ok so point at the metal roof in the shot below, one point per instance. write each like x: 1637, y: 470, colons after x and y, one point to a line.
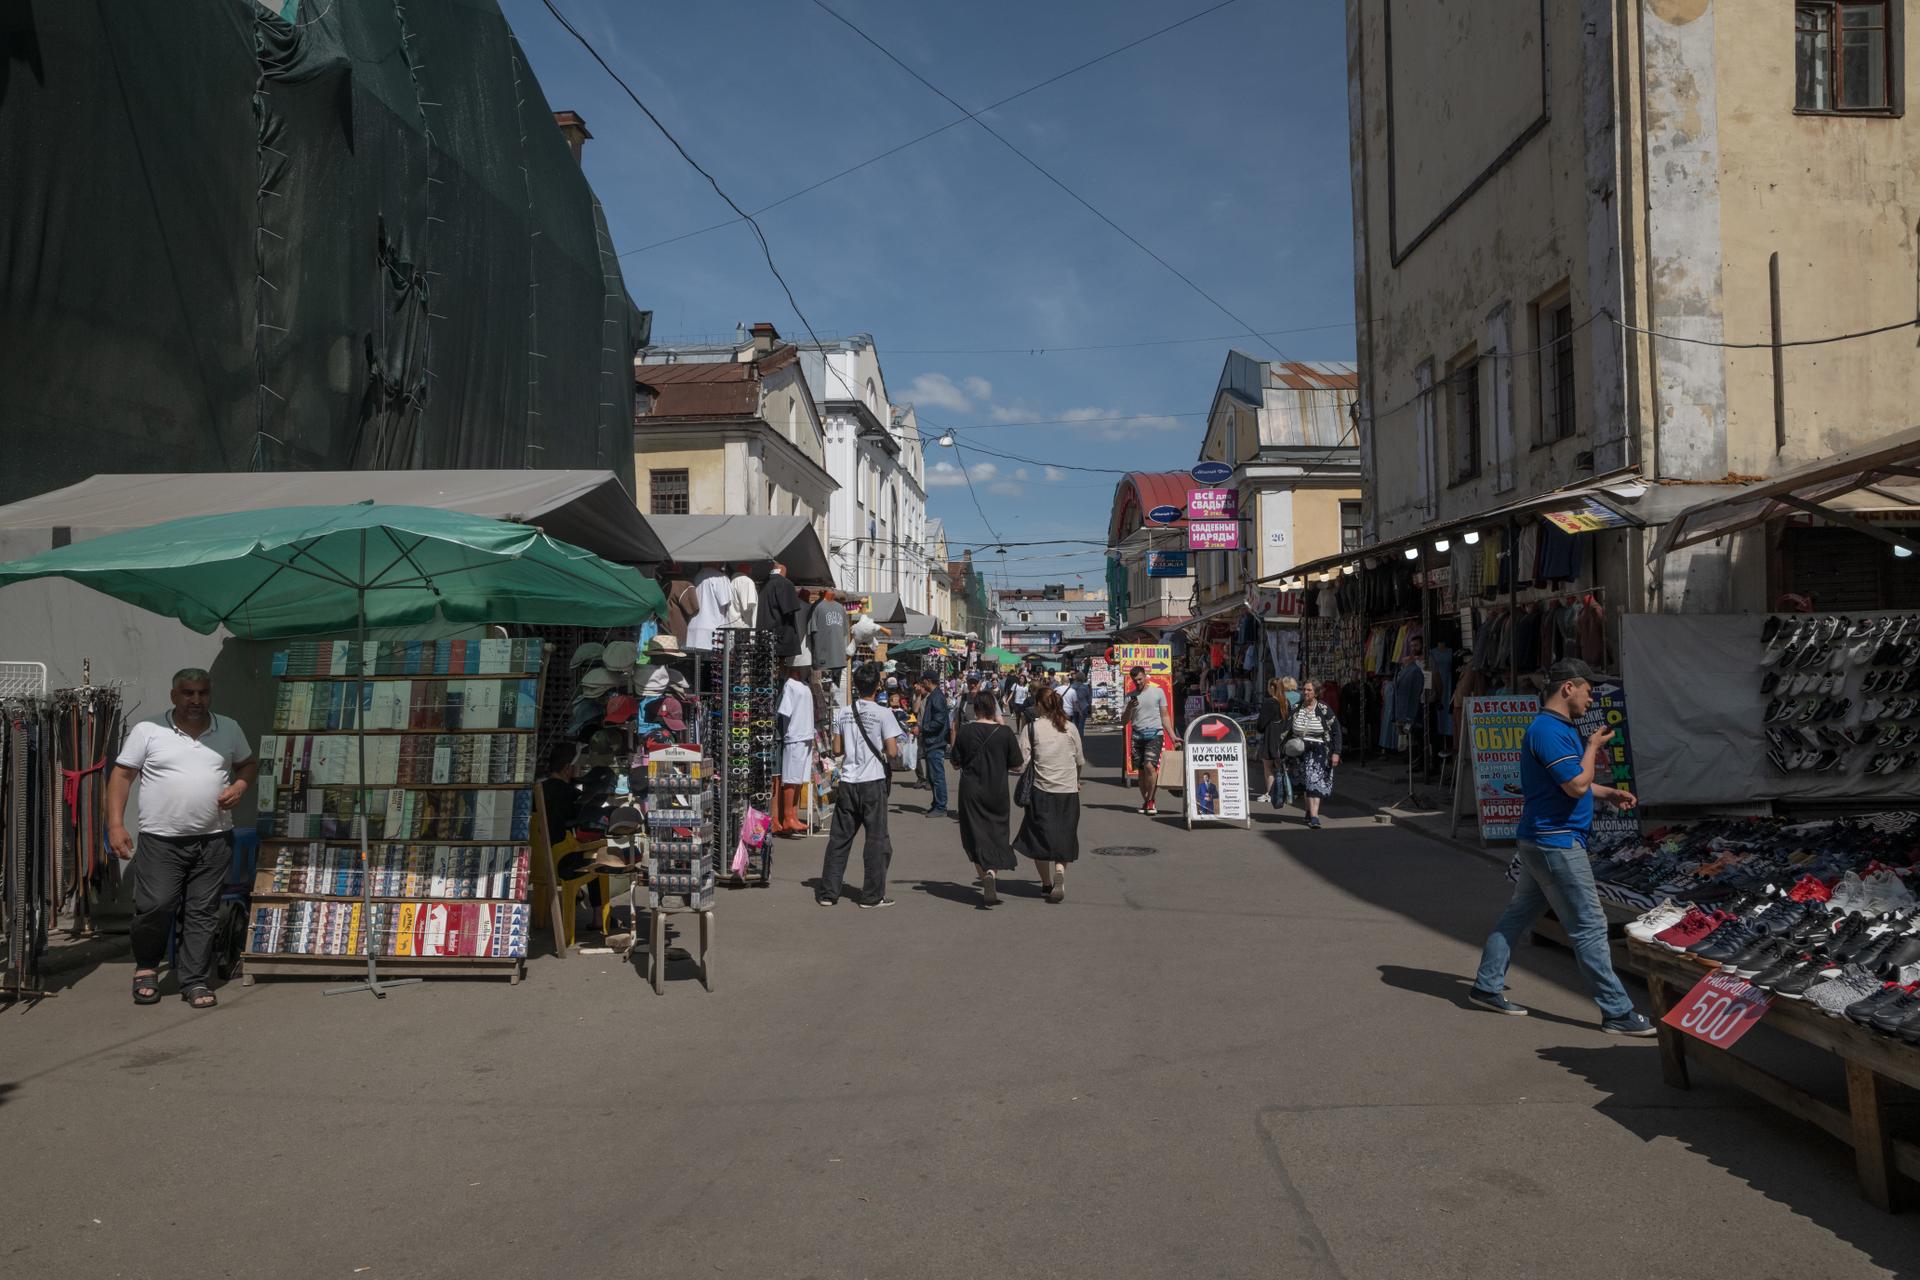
x: 1313, y: 375
x: 1145, y: 490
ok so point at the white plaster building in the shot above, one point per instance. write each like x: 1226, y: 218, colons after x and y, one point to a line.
x: 877, y: 522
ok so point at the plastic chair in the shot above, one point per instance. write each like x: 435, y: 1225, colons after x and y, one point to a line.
x: 570, y: 893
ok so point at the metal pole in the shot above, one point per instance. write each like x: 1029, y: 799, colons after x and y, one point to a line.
x: 1513, y: 602
x: 1779, y: 374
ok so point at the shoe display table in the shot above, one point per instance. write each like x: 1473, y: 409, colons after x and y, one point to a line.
x: 1870, y: 1061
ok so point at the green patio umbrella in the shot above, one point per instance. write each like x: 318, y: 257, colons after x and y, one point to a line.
x: 1002, y: 656
x: 291, y: 571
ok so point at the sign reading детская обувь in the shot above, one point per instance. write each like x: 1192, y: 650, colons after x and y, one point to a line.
x: 1497, y: 726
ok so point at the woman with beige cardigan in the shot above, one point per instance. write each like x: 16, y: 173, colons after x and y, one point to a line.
x: 1050, y: 833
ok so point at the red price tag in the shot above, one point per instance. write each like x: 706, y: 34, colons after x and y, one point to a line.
x: 1719, y: 1010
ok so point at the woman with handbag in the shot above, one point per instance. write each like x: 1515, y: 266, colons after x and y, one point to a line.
x: 986, y: 751
x: 1050, y: 832
x: 1318, y: 731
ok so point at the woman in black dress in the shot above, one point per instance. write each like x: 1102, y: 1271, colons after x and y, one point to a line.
x: 986, y: 751
x: 1050, y: 833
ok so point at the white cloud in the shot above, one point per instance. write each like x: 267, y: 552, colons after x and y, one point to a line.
x: 1006, y: 488
x: 943, y: 475
x: 936, y: 391
x: 1053, y: 473
x: 1020, y: 473
x: 977, y: 387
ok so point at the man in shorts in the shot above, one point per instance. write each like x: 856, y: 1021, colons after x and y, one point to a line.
x: 1147, y: 715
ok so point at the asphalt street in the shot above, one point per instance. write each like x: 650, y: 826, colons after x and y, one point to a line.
x: 1236, y: 1054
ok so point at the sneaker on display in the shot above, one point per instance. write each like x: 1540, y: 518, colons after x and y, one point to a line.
x: 1693, y: 926
x: 1664, y: 916
x: 1834, y: 995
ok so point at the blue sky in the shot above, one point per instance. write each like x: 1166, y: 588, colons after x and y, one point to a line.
x: 1221, y: 145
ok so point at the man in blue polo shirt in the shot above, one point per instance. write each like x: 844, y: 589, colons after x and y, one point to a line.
x: 1556, y: 777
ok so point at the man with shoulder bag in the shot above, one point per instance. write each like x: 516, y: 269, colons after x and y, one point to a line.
x: 867, y: 737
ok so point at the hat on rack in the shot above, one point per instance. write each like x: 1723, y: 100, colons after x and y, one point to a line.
x: 624, y: 821
x: 665, y: 646
x: 669, y: 712
x: 621, y: 707
x: 620, y: 655
x: 598, y: 681
x: 597, y: 784
x: 651, y: 682
x: 585, y: 714
x: 584, y: 654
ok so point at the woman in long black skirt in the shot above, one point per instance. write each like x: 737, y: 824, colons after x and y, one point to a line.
x: 986, y: 751
x: 1050, y: 833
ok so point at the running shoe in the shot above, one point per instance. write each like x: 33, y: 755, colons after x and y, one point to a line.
x: 1693, y: 926
x: 1664, y: 916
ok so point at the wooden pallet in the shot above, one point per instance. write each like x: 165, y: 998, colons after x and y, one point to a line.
x: 1870, y: 1061
x: 278, y: 965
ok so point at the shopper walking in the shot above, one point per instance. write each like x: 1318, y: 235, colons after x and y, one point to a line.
x: 866, y: 736
x: 1271, y: 726
x: 1147, y: 713
x: 935, y: 729
x: 193, y: 767
x: 1082, y: 703
x: 1557, y: 774
x: 986, y: 751
x: 1318, y: 730
x: 1020, y: 700
x: 1050, y: 831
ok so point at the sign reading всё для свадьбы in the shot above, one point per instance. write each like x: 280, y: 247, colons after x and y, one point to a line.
x: 1213, y: 504
x: 1497, y: 726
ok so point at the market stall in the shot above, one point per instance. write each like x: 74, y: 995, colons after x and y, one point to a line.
x: 325, y: 571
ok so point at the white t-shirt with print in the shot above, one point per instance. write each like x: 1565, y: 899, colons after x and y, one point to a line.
x: 858, y: 764
x: 180, y: 778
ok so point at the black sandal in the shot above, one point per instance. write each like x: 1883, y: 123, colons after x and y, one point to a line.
x: 146, y: 988
x: 199, y: 996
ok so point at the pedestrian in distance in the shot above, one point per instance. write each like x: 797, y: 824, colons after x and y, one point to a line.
x: 1557, y: 773
x: 1019, y: 699
x: 866, y: 736
x: 794, y: 722
x: 193, y: 768
x: 1318, y: 731
x: 986, y: 751
x: 935, y: 730
x: 1082, y: 703
x: 1050, y: 831
x: 1146, y: 715
x: 1271, y: 726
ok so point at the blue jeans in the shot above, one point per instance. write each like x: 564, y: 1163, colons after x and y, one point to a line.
x: 1561, y: 879
x: 935, y: 751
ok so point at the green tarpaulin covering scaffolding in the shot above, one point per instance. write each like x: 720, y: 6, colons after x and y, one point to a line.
x: 286, y: 235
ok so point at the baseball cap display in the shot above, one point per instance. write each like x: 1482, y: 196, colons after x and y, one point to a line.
x: 584, y: 654
x: 598, y: 681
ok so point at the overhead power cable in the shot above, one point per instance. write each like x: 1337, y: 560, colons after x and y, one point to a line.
x: 914, y: 142
x: 1043, y: 350
x: 1044, y: 172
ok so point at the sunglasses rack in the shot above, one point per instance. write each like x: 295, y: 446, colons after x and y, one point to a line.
x: 741, y: 688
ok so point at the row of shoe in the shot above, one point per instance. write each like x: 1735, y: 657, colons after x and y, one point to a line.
x: 1811, y: 710
x: 1818, y: 710
x: 1721, y: 858
x: 1830, y: 684
x: 1855, y: 963
x: 1806, y: 641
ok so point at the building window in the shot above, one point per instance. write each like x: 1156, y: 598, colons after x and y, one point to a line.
x: 667, y: 493
x: 1463, y: 417
x: 1063, y: 617
x: 1350, y: 525
x: 1553, y: 338
x: 1025, y: 617
x: 1843, y: 55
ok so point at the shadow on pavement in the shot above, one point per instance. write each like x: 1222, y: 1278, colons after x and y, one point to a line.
x: 1746, y: 1139
x: 1453, y: 988
x: 966, y: 895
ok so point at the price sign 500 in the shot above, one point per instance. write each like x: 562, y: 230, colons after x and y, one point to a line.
x: 1719, y: 1010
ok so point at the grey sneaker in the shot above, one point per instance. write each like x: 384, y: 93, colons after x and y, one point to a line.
x: 1631, y: 1023
x: 865, y: 905
x: 1834, y: 995
x: 1495, y: 1001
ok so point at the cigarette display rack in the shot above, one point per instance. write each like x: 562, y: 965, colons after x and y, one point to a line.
x: 447, y: 731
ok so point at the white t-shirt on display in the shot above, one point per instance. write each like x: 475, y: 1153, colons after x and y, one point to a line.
x: 858, y: 764
x: 180, y: 778
x: 796, y: 704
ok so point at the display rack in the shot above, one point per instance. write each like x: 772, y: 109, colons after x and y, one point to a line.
x: 740, y: 695
x: 448, y: 730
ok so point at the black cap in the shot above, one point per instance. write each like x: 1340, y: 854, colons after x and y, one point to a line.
x: 1570, y: 669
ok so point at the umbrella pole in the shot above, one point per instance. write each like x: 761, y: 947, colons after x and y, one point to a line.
x: 372, y: 982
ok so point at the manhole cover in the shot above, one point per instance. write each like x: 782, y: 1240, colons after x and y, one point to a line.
x: 1124, y: 851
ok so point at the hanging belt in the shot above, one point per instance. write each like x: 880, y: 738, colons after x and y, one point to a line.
x: 70, y: 787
